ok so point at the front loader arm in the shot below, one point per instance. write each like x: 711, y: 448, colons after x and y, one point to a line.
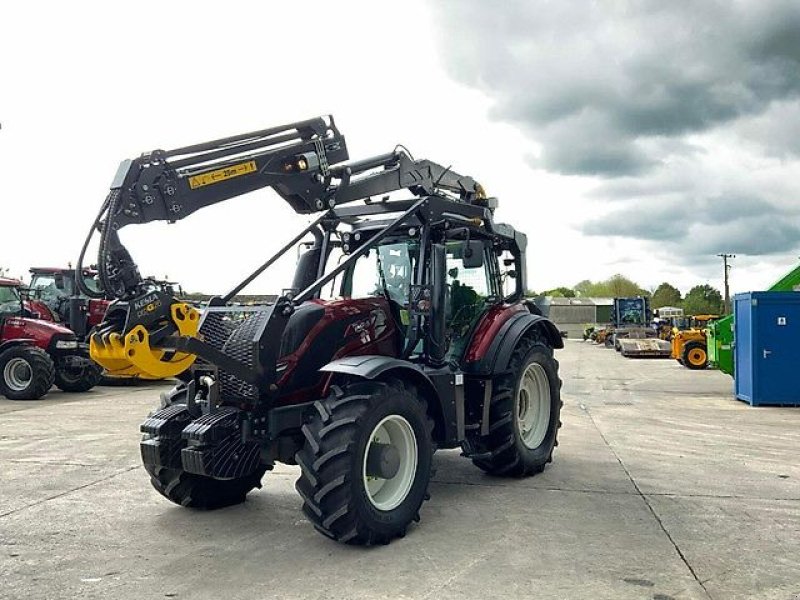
x: 303, y: 162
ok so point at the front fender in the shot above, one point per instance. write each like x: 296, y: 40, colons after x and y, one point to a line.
x: 17, y: 342
x: 498, y: 357
x: 440, y: 405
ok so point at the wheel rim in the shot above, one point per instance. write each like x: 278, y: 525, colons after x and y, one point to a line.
x: 697, y: 356
x: 18, y: 374
x: 387, y: 494
x: 533, y: 406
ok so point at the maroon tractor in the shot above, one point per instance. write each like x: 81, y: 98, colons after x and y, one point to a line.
x: 36, y: 353
x: 404, y: 330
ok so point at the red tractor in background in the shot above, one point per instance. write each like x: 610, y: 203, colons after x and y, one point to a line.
x: 56, y: 297
x: 36, y: 353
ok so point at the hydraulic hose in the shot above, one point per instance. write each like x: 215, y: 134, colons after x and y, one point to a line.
x: 96, y: 225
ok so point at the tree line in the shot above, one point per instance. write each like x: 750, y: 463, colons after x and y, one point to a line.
x: 701, y: 299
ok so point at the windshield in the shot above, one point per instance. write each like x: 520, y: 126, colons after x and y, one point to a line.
x: 9, y: 301
x: 92, y: 283
x: 52, y: 286
x: 386, y: 270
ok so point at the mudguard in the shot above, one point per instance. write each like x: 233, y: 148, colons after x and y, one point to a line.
x: 439, y: 398
x: 498, y: 356
x: 17, y: 342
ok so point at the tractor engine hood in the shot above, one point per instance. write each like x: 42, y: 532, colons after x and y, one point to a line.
x: 42, y: 332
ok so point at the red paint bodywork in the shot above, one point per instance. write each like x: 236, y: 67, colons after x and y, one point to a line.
x: 40, y: 333
x: 375, y: 333
x: 488, y: 328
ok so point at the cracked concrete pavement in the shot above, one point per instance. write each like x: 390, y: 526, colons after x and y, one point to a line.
x: 663, y: 487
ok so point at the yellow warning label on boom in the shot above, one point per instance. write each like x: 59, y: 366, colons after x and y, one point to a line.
x: 196, y: 181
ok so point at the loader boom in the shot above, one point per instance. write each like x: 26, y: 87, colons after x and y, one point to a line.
x: 304, y: 162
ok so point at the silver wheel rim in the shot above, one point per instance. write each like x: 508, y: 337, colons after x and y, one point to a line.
x: 18, y: 374
x: 533, y: 406
x: 387, y: 494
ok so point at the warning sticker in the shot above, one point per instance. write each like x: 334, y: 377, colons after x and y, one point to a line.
x: 196, y: 181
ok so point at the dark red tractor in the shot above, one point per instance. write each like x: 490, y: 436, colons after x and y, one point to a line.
x: 36, y: 353
x: 403, y: 331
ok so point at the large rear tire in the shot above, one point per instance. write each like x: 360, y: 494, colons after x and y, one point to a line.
x: 26, y: 373
x: 524, y: 414
x: 366, y: 462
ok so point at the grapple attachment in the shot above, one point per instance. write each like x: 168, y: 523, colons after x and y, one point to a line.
x: 131, y: 354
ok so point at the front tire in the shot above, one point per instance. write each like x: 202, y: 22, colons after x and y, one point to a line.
x: 26, y: 373
x: 196, y: 491
x: 366, y: 462
x: 77, y: 379
x: 524, y: 414
x: 203, y: 493
x: 695, y: 356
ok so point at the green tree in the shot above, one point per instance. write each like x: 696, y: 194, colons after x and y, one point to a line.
x: 560, y: 292
x: 620, y: 287
x: 702, y: 300
x: 666, y: 295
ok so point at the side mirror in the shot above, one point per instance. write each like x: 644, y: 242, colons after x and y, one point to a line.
x: 472, y: 254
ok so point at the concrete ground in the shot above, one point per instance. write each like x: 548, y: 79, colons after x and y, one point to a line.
x: 663, y: 487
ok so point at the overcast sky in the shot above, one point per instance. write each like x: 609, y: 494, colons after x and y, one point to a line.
x: 633, y: 137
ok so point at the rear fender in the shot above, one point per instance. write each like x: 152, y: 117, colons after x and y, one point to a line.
x: 376, y: 367
x: 498, y: 357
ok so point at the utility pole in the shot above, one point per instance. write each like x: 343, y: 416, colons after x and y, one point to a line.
x: 727, y: 268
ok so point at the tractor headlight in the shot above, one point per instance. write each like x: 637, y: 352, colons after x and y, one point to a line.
x: 67, y: 344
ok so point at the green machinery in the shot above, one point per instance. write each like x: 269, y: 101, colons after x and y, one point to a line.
x: 720, y: 332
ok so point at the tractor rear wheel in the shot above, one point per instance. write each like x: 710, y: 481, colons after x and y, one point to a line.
x: 366, y: 462
x: 695, y: 356
x: 26, y: 373
x: 77, y: 375
x: 524, y: 414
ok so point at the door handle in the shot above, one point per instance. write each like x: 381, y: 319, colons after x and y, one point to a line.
x: 767, y: 353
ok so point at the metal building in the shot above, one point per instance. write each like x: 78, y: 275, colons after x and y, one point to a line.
x: 574, y: 314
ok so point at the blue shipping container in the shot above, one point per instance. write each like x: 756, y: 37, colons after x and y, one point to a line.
x: 767, y: 357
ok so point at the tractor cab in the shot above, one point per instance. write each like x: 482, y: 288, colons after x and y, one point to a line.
x: 57, y: 297
x: 10, y: 298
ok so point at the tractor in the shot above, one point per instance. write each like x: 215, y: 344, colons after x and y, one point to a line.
x: 35, y: 353
x: 403, y: 331
x: 689, y: 346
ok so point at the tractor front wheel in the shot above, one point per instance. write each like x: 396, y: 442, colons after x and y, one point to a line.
x: 203, y: 493
x: 695, y: 356
x: 366, y: 462
x: 26, y: 373
x: 77, y: 374
x: 196, y: 491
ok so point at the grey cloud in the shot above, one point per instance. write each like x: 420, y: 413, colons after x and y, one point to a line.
x: 592, y: 81
x: 696, y: 232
